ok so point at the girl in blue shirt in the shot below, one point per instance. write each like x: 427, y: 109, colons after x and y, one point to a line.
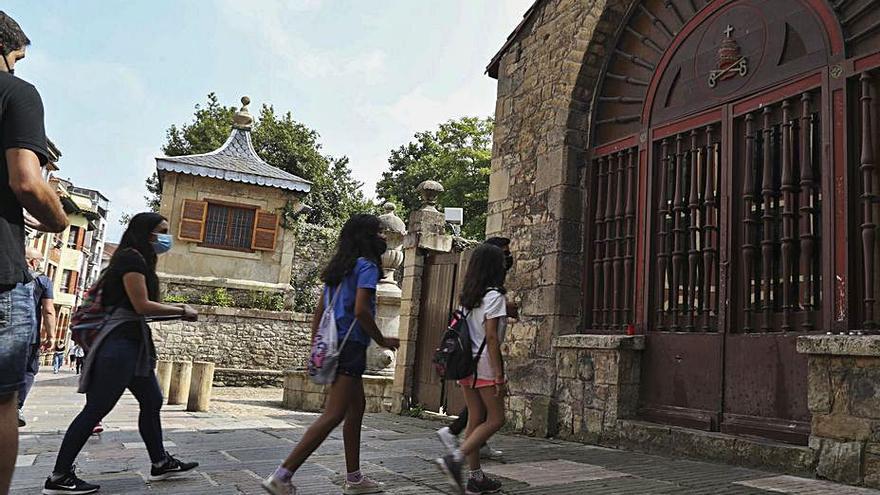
x: 354, y: 270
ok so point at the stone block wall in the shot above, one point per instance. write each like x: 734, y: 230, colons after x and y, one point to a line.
x: 546, y: 79
x: 238, y: 339
x: 844, y: 399
x: 597, y: 385
x: 301, y: 394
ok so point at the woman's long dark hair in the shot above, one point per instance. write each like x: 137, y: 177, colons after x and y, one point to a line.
x: 359, y: 238
x: 485, y: 270
x: 137, y: 237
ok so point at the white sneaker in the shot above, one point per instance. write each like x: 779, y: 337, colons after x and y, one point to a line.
x: 365, y: 485
x: 448, y: 440
x: 487, y: 452
x: 277, y: 487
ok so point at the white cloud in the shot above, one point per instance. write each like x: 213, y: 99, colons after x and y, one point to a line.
x: 419, y: 110
x: 275, y: 18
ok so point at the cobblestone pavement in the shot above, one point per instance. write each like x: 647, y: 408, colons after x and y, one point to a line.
x: 246, y: 434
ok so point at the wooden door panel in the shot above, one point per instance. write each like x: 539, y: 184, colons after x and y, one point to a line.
x: 681, y: 379
x: 438, y: 283
x: 765, y: 388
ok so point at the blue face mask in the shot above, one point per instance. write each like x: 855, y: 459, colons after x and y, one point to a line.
x: 162, y: 244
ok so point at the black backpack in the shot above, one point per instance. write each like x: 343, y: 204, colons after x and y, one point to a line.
x: 454, y: 359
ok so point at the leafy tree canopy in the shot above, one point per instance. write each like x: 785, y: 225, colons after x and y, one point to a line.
x: 282, y: 142
x: 458, y: 155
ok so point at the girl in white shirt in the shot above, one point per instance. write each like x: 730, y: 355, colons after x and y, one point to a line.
x: 483, y: 300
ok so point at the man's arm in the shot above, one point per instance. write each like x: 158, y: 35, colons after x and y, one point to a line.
x: 32, y: 191
x: 47, y: 329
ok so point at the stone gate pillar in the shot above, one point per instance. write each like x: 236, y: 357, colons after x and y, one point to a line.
x: 426, y: 232
x: 381, y: 361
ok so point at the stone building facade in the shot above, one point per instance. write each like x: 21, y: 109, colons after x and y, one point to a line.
x: 227, y: 212
x: 688, y: 188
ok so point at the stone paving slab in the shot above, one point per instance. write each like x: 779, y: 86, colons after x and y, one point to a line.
x: 246, y: 435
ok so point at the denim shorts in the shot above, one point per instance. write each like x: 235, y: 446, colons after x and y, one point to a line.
x: 352, y: 360
x: 17, y: 321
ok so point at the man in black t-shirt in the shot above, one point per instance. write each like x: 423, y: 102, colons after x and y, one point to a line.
x: 22, y: 187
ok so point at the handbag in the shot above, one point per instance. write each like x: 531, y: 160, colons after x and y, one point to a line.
x: 324, y: 358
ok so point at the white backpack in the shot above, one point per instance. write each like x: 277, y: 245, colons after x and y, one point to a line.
x: 324, y: 357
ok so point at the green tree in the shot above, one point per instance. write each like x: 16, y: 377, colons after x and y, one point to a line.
x: 282, y: 142
x: 458, y: 155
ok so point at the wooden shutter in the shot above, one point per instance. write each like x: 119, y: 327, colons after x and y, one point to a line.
x: 80, y: 239
x: 192, y: 221
x: 74, y: 279
x: 265, y: 231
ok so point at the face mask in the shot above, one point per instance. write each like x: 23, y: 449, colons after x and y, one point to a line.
x: 162, y: 244
x: 9, y: 69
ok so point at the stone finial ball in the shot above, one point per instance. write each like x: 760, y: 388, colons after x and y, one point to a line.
x: 245, y: 101
x: 429, y: 190
x: 389, y: 207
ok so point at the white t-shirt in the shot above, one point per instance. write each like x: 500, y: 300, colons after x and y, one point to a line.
x: 494, y: 305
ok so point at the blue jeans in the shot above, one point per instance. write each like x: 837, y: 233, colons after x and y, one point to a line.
x: 57, y: 361
x: 17, y: 320
x: 113, y: 372
x: 31, y: 368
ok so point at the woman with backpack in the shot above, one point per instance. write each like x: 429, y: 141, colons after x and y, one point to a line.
x: 483, y: 302
x: 123, y: 355
x: 349, y: 295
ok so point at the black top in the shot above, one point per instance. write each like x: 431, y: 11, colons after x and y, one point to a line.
x: 113, y: 289
x: 21, y: 126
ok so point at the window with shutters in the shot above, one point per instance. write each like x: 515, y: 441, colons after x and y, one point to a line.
x: 73, y: 237
x: 229, y: 227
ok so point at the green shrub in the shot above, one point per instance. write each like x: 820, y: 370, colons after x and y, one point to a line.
x: 266, y: 300
x: 217, y: 297
x: 176, y: 299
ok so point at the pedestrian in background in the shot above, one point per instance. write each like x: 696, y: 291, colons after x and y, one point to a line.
x: 350, y: 281
x: 43, y: 329
x: 58, y: 356
x: 22, y: 188
x: 483, y: 300
x: 79, y: 355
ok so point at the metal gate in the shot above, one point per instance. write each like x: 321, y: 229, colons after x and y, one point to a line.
x: 441, y: 280
x: 738, y: 218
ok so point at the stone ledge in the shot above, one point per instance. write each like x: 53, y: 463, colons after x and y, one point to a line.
x: 840, y: 345
x: 653, y: 438
x: 593, y: 341
x: 253, y: 313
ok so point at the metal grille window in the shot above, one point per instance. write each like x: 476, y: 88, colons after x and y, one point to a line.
x: 229, y: 227
x: 613, y: 240
x: 780, y: 204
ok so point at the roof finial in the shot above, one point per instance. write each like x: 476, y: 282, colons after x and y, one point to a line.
x: 242, y: 118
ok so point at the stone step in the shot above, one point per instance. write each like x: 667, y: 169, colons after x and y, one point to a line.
x: 654, y: 438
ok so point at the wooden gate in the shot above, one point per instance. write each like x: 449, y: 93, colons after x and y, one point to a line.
x: 440, y: 279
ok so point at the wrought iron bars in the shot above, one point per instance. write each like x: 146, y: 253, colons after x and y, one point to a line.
x: 614, y: 240
x: 685, y: 298
x: 780, y: 211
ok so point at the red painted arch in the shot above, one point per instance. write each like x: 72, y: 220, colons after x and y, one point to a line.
x: 819, y: 7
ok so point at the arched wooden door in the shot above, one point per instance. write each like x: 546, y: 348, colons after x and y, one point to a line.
x: 735, y: 110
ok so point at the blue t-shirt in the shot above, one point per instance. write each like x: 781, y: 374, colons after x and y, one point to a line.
x: 42, y: 290
x: 365, y: 275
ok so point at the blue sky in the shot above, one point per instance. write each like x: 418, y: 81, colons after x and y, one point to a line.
x: 365, y: 74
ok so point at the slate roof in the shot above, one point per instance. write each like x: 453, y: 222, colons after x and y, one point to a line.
x: 235, y: 161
